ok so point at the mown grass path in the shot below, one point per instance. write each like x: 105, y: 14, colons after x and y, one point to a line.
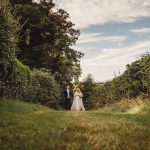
x: 33, y: 127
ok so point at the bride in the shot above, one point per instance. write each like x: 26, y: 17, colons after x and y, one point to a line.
x: 77, y: 102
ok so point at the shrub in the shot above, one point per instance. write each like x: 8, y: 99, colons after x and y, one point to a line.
x: 88, y: 88
x: 45, y: 89
x: 9, y: 28
x: 15, y: 77
x: 21, y: 82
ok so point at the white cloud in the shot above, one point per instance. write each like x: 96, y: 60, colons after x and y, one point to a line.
x: 120, y: 44
x: 99, y: 37
x: 141, y: 31
x: 105, y: 63
x: 122, y: 54
x: 87, y: 12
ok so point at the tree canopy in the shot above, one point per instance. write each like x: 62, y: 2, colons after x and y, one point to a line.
x: 47, y: 39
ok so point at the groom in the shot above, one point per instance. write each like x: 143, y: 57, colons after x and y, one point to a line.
x: 67, y: 97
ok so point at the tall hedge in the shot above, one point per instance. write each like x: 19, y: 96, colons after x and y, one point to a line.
x: 44, y: 89
x: 9, y: 28
x: 14, y: 76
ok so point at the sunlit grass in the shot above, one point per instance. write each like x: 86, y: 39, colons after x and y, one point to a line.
x: 26, y: 126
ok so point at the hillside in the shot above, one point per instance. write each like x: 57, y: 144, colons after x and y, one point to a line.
x: 30, y: 126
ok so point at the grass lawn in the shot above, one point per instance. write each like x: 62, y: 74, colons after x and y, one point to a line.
x: 25, y: 126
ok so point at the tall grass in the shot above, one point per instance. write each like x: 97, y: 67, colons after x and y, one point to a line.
x: 28, y: 126
x: 133, y: 105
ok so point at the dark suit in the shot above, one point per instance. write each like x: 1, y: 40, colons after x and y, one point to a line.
x: 67, y: 99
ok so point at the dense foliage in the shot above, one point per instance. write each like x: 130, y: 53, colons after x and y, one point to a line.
x: 9, y: 29
x: 133, y: 82
x: 44, y: 89
x: 15, y: 77
x: 88, y: 89
x: 47, y: 39
x: 21, y: 82
x: 39, y: 37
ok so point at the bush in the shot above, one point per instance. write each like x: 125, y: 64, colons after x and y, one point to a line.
x: 45, y: 89
x: 21, y: 83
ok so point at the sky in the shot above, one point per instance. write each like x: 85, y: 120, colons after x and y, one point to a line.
x: 114, y: 33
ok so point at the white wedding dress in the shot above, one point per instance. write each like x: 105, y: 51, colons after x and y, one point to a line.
x: 77, y: 102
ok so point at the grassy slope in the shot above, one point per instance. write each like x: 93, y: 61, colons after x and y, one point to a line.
x: 27, y: 126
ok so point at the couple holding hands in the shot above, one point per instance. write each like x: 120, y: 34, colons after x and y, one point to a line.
x: 77, y: 95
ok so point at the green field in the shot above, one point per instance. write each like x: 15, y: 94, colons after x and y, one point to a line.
x: 25, y: 126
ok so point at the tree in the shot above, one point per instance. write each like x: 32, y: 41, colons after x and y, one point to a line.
x: 47, y: 40
x: 88, y: 88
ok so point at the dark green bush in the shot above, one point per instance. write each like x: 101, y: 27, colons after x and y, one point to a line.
x: 45, y: 89
x: 15, y: 77
x: 88, y: 90
x: 9, y: 28
x: 19, y: 86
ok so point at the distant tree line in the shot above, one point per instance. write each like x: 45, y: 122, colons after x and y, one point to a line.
x: 134, y: 82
